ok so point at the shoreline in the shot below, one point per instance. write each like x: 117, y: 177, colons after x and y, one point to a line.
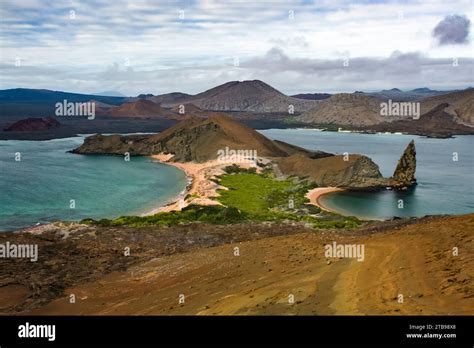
x: 174, y: 203
x: 315, y: 195
x: 200, y: 189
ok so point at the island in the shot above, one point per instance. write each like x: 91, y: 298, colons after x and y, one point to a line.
x: 246, y: 236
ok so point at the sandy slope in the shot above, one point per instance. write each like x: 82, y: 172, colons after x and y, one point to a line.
x: 415, y: 261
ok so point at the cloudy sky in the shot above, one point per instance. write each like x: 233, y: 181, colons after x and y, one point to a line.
x: 146, y: 46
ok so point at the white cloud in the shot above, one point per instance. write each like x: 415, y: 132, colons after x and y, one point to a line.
x: 169, y: 54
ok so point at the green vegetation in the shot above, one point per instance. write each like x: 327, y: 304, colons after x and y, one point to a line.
x: 337, y: 221
x: 328, y: 127
x: 250, y: 197
x: 255, y: 194
x: 235, y: 169
x: 191, y: 213
x: 292, y: 121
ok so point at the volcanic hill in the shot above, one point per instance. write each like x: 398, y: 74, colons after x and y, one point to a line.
x: 460, y: 104
x: 187, y: 109
x: 345, y: 109
x: 194, y: 139
x: 140, y: 108
x: 169, y: 99
x: 255, y: 96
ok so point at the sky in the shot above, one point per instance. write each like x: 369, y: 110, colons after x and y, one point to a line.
x: 157, y: 47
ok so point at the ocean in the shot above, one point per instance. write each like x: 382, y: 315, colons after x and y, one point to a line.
x: 445, y: 183
x: 50, y: 184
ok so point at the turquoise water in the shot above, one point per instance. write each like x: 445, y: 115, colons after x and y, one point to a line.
x: 40, y: 186
x: 444, y: 186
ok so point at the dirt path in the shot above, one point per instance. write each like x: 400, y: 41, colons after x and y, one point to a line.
x: 415, y: 261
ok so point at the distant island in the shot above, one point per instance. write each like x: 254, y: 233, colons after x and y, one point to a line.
x: 442, y: 114
x: 33, y: 124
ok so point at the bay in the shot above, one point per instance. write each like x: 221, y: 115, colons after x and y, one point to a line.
x: 445, y: 186
x: 39, y: 188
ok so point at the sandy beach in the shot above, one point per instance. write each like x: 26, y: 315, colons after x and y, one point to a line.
x: 314, y: 196
x: 200, y: 189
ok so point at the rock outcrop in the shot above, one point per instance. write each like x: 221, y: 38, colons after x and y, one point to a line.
x: 351, y: 171
x: 404, y: 175
x: 194, y: 139
x: 33, y: 124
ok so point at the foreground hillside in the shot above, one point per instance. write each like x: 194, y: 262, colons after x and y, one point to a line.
x: 411, y: 258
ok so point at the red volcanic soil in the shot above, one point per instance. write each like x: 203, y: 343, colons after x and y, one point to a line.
x: 414, y: 259
x: 141, y: 108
